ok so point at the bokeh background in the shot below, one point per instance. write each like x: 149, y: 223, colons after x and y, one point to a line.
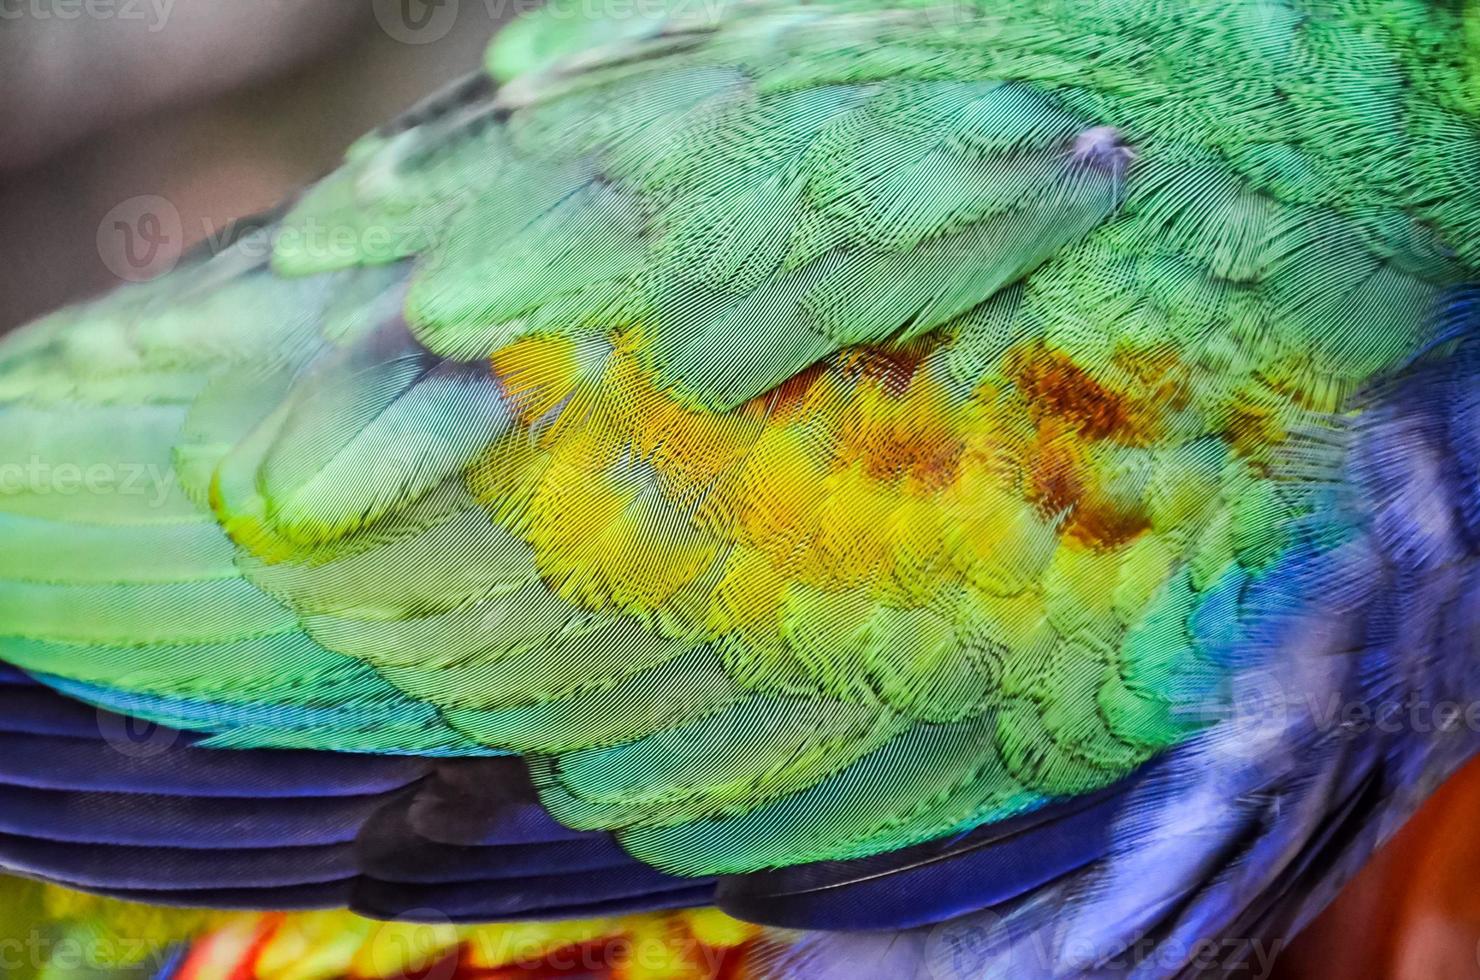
x: 219, y: 108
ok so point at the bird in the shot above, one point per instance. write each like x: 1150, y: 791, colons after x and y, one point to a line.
x: 923, y: 489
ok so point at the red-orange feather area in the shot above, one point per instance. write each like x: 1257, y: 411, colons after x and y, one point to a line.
x: 700, y: 944
x: 873, y: 469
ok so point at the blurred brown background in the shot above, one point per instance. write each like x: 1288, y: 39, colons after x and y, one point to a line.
x: 1414, y: 911
x: 221, y: 107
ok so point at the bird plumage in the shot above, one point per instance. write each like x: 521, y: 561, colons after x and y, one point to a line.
x: 911, y: 461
